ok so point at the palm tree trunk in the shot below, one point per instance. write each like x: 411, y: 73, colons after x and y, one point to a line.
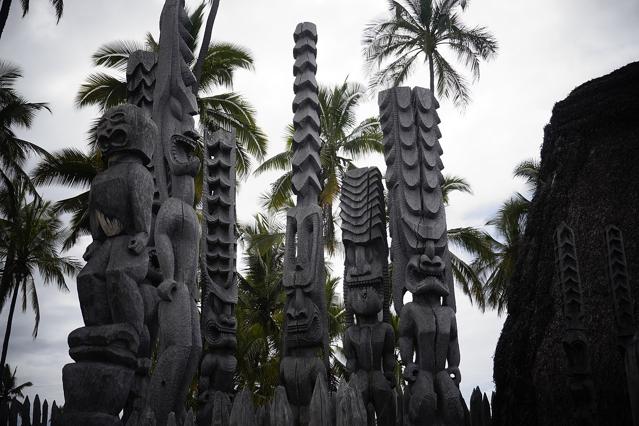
x: 7, y: 334
x: 204, y: 47
x: 431, y: 69
x: 4, y: 14
x: 7, y: 274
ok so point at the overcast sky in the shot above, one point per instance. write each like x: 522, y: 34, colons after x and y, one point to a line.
x: 547, y: 48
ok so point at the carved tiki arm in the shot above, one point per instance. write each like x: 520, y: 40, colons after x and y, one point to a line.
x: 141, y: 198
x: 453, y: 356
x: 389, y: 361
x: 350, y: 353
x: 407, y: 343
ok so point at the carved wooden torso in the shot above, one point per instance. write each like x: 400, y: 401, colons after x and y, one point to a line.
x: 368, y: 343
x: 431, y: 328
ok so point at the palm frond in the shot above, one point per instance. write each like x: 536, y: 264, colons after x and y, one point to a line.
x: 102, y: 90
x: 115, y: 55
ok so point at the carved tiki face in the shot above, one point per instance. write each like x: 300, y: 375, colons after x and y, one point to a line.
x: 126, y: 129
x: 301, y: 274
x: 425, y: 272
x: 364, y: 275
x: 220, y: 325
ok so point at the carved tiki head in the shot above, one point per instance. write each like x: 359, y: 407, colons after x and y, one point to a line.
x: 364, y: 238
x: 126, y: 129
x: 220, y: 324
x: 303, y: 276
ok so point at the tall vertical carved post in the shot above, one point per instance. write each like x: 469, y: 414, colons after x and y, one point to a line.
x: 575, y: 342
x: 176, y: 226
x: 305, y: 337
x: 369, y: 344
x: 428, y: 330
x: 219, y: 281
x: 624, y: 314
x: 97, y: 386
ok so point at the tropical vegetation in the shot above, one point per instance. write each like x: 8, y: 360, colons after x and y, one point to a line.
x: 344, y: 139
x: 9, y: 387
x: 105, y: 89
x: 260, y: 308
x: 509, y: 225
x: 426, y: 31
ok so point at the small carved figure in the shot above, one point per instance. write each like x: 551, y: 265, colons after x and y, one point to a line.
x: 305, y: 339
x: 120, y: 200
x: 369, y: 344
x: 428, y: 341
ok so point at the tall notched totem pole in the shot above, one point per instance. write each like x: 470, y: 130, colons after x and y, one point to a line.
x: 139, y: 281
x: 369, y: 342
x: 219, y: 281
x: 428, y: 342
x: 305, y: 337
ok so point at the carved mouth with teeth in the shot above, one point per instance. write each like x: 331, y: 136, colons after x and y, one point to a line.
x: 182, y: 154
x: 426, y: 275
x: 218, y: 334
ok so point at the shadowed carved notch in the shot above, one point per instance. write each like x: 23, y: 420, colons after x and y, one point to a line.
x: 140, y: 77
x: 620, y: 283
x: 575, y: 342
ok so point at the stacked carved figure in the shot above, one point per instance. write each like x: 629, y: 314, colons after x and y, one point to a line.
x: 138, y: 286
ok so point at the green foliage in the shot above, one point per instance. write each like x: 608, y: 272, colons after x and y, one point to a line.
x: 260, y: 309
x: 15, y: 112
x: 9, y: 389
x: 421, y: 31
x: 343, y: 141
x: 509, y: 225
x: 33, y: 235
x: 107, y: 88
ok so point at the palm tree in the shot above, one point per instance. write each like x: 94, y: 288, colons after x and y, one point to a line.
x: 420, y: 30
x: 343, y: 140
x: 32, y: 234
x: 509, y: 224
x: 106, y: 89
x: 58, y: 5
x: 9, y: 389
x: 260, y: 308
x: 472, y: 241
x: 15, y: 112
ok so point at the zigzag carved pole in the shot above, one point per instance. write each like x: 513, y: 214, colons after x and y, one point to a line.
x: 305, y: 336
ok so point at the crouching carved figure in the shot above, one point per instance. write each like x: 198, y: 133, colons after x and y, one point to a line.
x: 369, y: 344
x: 428, y: 331
x: 96, y: 387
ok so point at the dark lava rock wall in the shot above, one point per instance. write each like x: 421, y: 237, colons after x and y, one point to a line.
x: 590, y: 179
